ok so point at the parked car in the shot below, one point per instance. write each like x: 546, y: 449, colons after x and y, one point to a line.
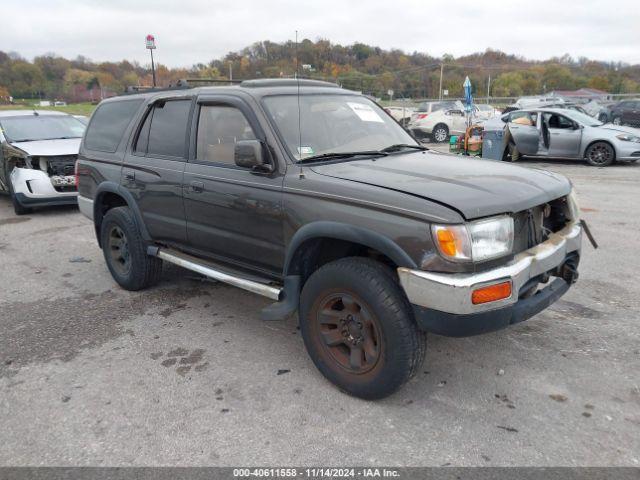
x: 426, y: 108
x: 311, y: 196
x: 82, y: 119
x: 565, y: 133
x: 485, y: 111
x: 37, y: 157
x: 626, y: 112
x: 439, y: 125
x: 401, y: 114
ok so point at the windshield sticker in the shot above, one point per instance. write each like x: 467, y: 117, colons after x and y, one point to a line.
x: 304, y: 150
x: 365, y: 112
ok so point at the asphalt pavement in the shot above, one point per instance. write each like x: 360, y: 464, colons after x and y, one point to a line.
x: 187, y: 374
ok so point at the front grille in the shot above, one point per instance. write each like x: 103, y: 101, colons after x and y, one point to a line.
x: 533, y: 226
x: 61, y: 165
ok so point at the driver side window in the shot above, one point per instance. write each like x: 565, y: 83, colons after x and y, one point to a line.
x: 559, y: 121
x: 220, y: 127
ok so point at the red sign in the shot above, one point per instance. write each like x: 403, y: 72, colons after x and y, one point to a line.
x: 150, y: 42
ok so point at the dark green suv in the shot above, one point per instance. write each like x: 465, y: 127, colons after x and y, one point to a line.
x: 314, y: 197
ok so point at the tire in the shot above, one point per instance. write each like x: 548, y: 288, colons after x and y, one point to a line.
x: 600, y: 154
x: 603, y: 118
x: 440, y: 133
x: 617, y: 121
x: 368, y: 344
x: 18, y: 208
x: 125, y: 251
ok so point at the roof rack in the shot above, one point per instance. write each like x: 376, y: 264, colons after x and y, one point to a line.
x: 286, y: 82
x: 185, y: 83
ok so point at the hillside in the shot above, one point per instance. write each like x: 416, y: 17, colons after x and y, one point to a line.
x: 361, y: 67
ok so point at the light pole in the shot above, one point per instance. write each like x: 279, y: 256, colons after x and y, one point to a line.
x: 150, y: 43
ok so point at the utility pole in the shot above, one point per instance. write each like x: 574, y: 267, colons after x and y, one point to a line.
x: 488, y: 88
x: 230, y: 73
x: 441, y: 72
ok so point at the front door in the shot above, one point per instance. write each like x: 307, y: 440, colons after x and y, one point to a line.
x: 154, y: 167
x: 565, y: 136
x: 233, y: 214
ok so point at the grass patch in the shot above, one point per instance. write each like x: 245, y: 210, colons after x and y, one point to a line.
x: 73, y: 108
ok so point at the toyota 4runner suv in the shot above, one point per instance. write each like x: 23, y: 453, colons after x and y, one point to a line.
x: 314, y: 197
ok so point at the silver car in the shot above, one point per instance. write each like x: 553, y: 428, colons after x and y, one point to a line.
x: 562, y: 133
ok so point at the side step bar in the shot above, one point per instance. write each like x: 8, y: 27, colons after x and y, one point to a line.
x: 196, y: 265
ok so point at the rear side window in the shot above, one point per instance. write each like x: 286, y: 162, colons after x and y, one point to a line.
x: 108, y: 124
x: 164, y: 130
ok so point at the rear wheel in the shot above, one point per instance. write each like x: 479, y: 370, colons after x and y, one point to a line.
x: 600, y: 154
x: 617, y: 121
x: 125, y: 251
x: 359, y: 329
x: 440, y: 133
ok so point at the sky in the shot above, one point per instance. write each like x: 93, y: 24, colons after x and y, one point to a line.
x: 197, y: 31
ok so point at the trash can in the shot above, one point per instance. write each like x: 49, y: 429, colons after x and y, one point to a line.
x: 493, y: 139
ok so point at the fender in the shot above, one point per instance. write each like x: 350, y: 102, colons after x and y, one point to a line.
x: 113, y: 187
x: 342, y: 231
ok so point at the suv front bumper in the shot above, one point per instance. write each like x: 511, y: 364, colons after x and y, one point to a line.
x: 442, y: 301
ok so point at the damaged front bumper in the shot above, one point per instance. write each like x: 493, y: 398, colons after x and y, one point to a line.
x: 33, y: 188
x: 443, y: 302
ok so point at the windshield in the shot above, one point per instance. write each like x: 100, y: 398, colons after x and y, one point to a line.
x: 333, y: 124
x: 582, y: 118
x: 41, y: 127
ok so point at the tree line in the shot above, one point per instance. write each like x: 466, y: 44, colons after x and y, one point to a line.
x: 361, y: 67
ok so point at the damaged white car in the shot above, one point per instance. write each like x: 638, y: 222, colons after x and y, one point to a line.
x: 37, y: 158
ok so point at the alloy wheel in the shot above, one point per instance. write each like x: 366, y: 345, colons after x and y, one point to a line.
x: 440, y: 135
x: 600, y: 154
x: 348, y: 333
x: 119, y: 250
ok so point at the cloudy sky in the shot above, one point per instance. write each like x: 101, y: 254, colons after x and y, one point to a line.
x: 192, y: 31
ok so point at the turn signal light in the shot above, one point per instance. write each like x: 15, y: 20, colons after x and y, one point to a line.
x: 447, y: 242
x: 491, y: 293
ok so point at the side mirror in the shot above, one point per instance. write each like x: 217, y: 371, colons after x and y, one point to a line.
x: 250, y: 154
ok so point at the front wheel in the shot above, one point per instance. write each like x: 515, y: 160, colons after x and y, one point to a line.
x: 617, y: 121
x: 600, y: 154
x: 359, y: 329
x: 440, y: 133
x: 18, y: 208
x: 125, y: 251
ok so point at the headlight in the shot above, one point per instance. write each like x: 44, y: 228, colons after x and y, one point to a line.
x: 627, y: 137
x: 475, y: 241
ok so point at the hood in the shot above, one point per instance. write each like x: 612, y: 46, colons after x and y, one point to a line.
x: 620, y: 129
x: 474, y: 187
x: 41, y: 148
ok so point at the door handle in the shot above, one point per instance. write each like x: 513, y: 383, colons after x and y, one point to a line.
x: 197, y: 187
x: 130, y: 176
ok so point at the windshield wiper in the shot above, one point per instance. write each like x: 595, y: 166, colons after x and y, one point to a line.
x: 23, y: 140
x: 338, y: 155
x: 399, y: 146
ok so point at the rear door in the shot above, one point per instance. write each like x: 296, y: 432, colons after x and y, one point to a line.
x: 233, y: 213
x: 631, y: 114
x: 154, y: 167
x: 525, y: 133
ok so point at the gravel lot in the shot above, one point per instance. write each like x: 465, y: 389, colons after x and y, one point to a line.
x: 186, y: 373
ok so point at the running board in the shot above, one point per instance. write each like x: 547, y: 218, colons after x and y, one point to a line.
x: 196, y: 265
